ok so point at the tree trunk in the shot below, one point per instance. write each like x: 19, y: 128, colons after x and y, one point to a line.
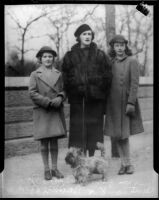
x: 110, y: 22
x: 22, y: 49
x: 110, y: 32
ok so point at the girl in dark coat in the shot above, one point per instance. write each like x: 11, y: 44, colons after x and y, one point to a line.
x: 87, y: 78
x: 47, y: 94
x: 123, y: 117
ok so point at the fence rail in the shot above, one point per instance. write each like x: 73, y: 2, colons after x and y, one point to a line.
x: 19, y: 114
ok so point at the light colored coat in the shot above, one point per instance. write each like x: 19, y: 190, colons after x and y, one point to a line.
x: 124, y: 90
x: 44, y: 86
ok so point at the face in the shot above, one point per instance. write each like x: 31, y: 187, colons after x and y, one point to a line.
x: 47, y: 59
x: 86, y: 38
x: 119, y: 48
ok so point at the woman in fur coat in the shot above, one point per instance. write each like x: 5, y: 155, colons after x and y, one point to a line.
x: 87, y: 78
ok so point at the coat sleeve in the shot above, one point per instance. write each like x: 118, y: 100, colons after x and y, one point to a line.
x: 61, y: 89
x: 36, y: 97
x: 107, y: 74
x: 134, y: 81
x: 67, y: 73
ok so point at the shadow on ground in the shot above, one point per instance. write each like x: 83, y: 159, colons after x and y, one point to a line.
x: 23, y: 176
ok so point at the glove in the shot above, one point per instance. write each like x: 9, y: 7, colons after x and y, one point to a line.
x: 130, y: 110
x: 56, y: 102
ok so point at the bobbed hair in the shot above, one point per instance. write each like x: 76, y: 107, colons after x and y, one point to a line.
x: 112, y: 52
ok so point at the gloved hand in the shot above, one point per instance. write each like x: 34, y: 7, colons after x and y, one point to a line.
x: 130, y: 109
x: 56, y: 102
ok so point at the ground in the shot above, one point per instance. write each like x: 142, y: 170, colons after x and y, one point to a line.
x: 23, y: 176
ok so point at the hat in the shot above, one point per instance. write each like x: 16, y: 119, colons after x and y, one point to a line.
x: 118, y: 38
x: 46, y: 49
x: 81, y: 29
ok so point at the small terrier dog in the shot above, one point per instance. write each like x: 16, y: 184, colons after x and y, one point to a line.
x: 84, y: 166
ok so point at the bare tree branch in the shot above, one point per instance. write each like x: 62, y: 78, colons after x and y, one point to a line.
x: 90, y: 13
x: 35, y: 37
x: 16, y: 21
x: 27, y: 50
x: 35, y: 19
x: 25, y: 29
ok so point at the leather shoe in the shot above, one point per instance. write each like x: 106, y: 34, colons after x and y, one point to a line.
x: 56, y: 173
x: 47, y: 175
x: 122, y: 170
x: 129, y: 169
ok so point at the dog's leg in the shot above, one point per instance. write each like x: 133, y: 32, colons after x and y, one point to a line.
x: 101, y: 147
x: 76, y: 181
x: 84, y: 181
x: 105, y: 178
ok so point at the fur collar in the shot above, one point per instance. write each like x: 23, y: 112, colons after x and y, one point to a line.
x: 79, y: 51
x: 76, y: 47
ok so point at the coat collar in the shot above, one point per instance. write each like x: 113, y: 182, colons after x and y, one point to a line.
x: 79, y: 51
x: 122, y: 59
x: 52, y: 80
x: 76, y: 47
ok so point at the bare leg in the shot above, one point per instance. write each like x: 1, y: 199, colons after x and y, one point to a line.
x: 122, y: 169
x: 120, y: 150
x: 54, y: 157
x: 54, y: 152
x: 45, y: 153
x: 126, y: 151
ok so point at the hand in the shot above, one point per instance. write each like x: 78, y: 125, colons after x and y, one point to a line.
x: 56, y: 102
x: 130, y: 109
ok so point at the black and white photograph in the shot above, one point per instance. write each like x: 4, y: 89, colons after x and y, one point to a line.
x: 79, y: 81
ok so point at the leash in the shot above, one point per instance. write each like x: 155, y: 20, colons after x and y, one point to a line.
x: 83, y: 124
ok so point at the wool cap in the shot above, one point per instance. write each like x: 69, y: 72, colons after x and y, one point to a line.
x: 81, y: 29
x: 46, y: 49
x: 118, y: 38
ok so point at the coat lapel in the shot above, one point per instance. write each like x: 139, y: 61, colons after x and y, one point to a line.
x: 51, y: 80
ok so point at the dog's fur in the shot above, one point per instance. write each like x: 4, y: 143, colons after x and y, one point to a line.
x: 85, y: 166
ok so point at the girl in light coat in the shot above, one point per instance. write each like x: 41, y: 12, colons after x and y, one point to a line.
x: 123, y: 117
x: 46, y: 92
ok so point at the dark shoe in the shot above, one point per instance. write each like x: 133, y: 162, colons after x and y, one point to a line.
x: 129, y: 169
x: 122, y: 170
x: 56, y: 173
x: 47, y: 175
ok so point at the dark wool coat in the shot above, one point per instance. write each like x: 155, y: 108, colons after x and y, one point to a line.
x: 48, y: 122
x: 87, y: 78
x: 124, y: 90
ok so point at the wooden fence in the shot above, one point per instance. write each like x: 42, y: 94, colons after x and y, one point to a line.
x: 19, y: 115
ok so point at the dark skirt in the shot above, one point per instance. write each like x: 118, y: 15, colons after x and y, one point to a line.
x: 86, y: 124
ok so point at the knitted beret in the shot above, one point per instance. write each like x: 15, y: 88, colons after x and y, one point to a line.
x: 81, y: 29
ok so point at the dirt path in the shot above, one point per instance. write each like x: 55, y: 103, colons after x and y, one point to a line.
x: 23, y: 176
